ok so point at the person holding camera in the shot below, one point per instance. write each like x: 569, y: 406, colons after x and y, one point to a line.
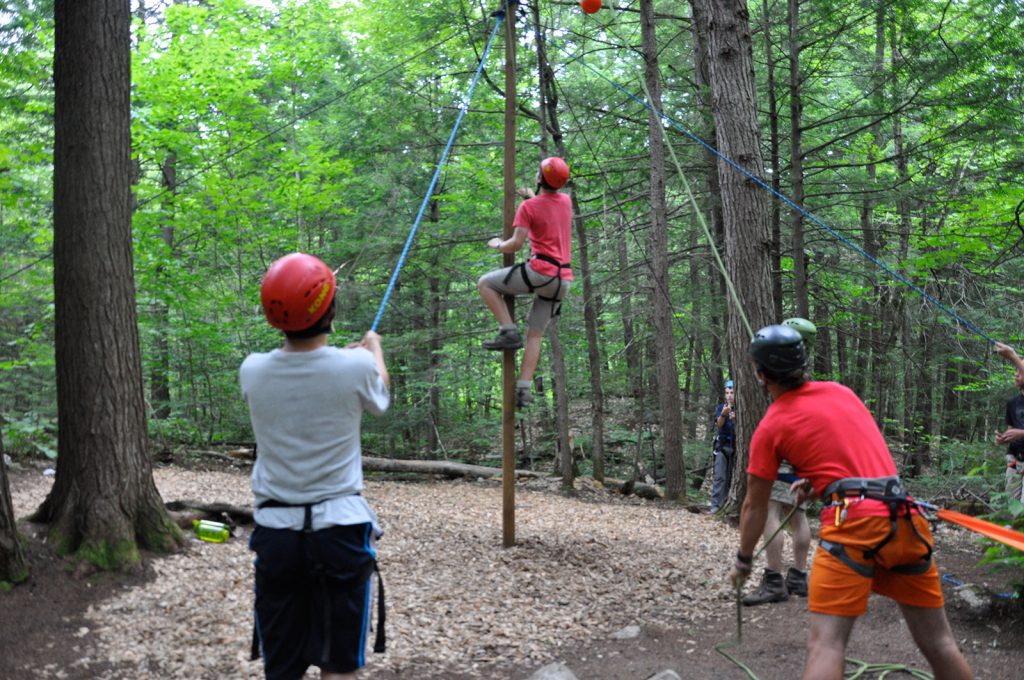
x: 725, y: 447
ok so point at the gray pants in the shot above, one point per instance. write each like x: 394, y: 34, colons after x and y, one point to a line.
x: 548, y: 291
x: 722, y: 478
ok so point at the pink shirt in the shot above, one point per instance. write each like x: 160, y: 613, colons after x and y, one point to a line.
x: 548, y: 221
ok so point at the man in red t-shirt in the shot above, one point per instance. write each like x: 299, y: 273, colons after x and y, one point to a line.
x: 547, y: 219
x: 828, y: 435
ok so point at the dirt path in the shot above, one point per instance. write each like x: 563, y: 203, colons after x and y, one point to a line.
x: 459, y: 606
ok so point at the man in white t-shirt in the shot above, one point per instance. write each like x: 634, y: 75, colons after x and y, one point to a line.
x: 315, y: 534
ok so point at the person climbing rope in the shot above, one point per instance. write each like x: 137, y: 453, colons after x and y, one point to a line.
x: 872, y: 538
x: 315, y: 534
x: 547, y: 219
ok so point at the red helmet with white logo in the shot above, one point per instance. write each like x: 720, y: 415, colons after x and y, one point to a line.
x: 554, y: 171
x: 297, y: 291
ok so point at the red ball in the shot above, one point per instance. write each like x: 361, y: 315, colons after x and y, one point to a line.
x: 590, y: 6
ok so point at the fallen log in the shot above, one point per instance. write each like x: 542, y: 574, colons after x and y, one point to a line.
x: 648, y: 491
x: 439, y: 467
x: 184, y: 511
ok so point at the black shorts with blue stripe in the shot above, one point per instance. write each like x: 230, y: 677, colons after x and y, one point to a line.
x: 314, y: 593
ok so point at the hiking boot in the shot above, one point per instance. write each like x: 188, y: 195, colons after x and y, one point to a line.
x: 772, y: 589
x: 796, y: 582
x: 507, y: 338
x: 524, y: 397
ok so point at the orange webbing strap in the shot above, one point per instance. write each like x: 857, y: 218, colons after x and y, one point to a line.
x: 1014, y: 539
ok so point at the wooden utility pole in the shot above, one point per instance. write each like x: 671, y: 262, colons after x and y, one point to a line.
x: 508, y: 365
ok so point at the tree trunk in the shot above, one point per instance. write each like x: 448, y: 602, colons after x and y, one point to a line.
x: 719, y: 291
x: 665, y: 347
x: 433, y: 439
x: 796, y: 162
x: 744, y: 204
x: 591, y: 308
x: 591, y: 301
x: 104, y: 504
x: 159, y: 381
x: 634, y: 370
x: 13, y: 568
x: 565, y: 465
x: 774, y: 162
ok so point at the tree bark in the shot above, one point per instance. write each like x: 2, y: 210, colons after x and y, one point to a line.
x: 13, y: 567
x: 104, y: 504
x: 591, y: 308
x: 160, y: 381
x: 565, y: 462
x: 773, y: 156
x: 796, y: 162
x: 634, y: 370
x: 744, y: 204
x: 665, y: 347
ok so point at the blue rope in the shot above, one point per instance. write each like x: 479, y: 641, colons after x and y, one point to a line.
x: 463, y: 107
x: 970, y: 326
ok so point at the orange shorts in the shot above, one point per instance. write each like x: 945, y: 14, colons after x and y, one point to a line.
x: 836, y: 589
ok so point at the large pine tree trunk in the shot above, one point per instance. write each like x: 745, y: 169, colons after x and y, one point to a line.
x: 773, y: 157
x: 796, y: 162
x: 104, y: 503
x: 744, y: 203
x: 665, y: 347
x: 591, y: 307
x: 13, y: 568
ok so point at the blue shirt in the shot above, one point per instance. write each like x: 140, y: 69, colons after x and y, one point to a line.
x: 726, y: 433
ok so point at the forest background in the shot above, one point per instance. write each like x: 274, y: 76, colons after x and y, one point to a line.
x: 263, y: 128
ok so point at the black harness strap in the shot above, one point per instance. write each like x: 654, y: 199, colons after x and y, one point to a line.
x: 888, y: 490
x: 521, y: 268
x: 321, y: 575
x: 839, y: 552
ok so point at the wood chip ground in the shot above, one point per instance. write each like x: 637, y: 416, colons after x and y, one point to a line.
x: 582, y: 568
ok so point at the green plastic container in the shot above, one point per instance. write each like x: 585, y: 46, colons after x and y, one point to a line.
x: 214, y: 532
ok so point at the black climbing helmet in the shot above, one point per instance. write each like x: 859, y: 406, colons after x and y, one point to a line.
x: 779, y: 349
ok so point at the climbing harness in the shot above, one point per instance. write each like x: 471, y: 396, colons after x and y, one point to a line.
x: 843, y: 493
x: 863, y: 668
x: 322, y: 576
x: 521, y: 269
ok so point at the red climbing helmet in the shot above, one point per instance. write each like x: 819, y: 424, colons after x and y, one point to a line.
x: 297, y: 291
x: 554, y: 171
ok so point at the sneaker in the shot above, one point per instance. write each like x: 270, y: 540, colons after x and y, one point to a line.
x: 772, y: 589
x: 796, y: 582
x: 524, y: 397
x: 507, y: 338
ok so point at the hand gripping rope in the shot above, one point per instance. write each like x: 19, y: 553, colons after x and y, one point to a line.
x: 463, y: 107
